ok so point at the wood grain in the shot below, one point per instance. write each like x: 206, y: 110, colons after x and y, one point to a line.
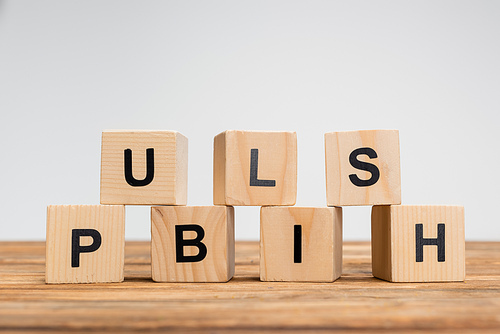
x: 355, y: 303
x: 321, y: 244
x: 277, y: 160
x: 340, y: 190
x: 218, y: 225
x: 394, y: 243
x: 102, y: 265
x: 169, y: 185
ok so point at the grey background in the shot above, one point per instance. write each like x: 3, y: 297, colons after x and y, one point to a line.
x: 70, y: 69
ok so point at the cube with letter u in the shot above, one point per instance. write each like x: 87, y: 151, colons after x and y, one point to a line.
x: 144, y: 167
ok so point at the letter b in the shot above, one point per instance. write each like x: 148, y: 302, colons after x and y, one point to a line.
x: 180, y: 243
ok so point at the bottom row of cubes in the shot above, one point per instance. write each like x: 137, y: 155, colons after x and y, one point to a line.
x: 85, y: 243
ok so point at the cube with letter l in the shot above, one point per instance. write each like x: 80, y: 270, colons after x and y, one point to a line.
x: 255, y: 168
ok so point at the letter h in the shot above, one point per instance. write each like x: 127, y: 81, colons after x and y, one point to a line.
x: 420, y: 242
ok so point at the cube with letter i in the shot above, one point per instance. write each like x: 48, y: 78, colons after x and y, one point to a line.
x: 85, y: 243
x: 255, y: 168
x: 362, y: 168
x: 300, y: 244
x: 192, y: 243
x: 418, y: 243
x: 144, y: 167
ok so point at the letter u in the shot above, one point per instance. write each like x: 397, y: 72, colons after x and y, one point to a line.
x: 150, y: 168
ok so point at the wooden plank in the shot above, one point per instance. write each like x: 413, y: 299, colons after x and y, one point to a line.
x: 357, y: 302
x: 311, y: 253
x: 271, y: 155
x: 362, y: 168
x: 163, y: 181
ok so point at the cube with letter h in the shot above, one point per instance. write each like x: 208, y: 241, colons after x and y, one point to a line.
x: 85, y: 243
x: 144, y: 167
x: 362, y: 168
x: 192, y: 243
x: 255, y: 168
x: 418, y: 243
x: 300, y: 244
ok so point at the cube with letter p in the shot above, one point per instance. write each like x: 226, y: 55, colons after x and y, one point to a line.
x: 85, y: 243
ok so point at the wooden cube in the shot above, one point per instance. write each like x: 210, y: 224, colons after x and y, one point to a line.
x: 85, y: 243
x: 144, y: 167
x: 300, y: 244
x: 255, y: 168
x: 362, y: 168
x: 418, y: 243
x: 192, y: 243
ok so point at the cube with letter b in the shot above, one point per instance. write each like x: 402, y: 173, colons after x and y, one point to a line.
x: 418, y: 243
x: 85, y: 243
x: 144, y: 167
x: 255, y: 168
x: 192, y: 243
x: 362, y: 168
x: 300, y: 244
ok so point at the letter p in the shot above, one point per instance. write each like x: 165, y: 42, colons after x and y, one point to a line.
x: 76, y: 248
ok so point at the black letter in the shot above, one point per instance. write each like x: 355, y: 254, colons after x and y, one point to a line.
x: 150, y: 167
x: 254, y: 167
x: 364, y: 166
x: 297, y: 243
x: 180, y: 242
x: 76, y: 249
x: 420, y: 242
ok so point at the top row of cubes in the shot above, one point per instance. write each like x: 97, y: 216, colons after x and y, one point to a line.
x: 250, y: 168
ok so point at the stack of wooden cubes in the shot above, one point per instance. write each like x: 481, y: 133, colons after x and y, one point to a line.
x: 85, y: 243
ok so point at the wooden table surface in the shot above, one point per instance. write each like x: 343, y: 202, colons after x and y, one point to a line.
x: 356, y: 301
